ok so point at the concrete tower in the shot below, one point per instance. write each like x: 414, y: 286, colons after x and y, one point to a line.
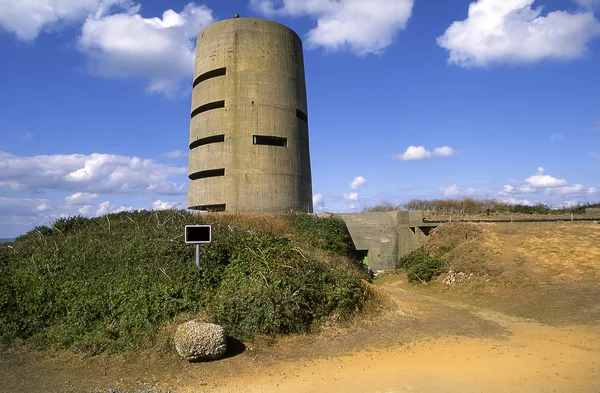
x: 249, y: 127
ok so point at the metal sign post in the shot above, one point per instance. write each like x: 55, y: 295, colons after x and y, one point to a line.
x: 198, y: 234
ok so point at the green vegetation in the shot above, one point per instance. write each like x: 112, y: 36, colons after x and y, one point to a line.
x: 419, y: 266
x: 109, y: 284
x: 474, y: 206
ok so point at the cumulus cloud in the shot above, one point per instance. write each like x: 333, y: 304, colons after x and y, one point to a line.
x: 589, y: 4
x: 159, y: 50
x: 416, y: 153
x: 570, y: 190
x: 357, y: 182
x: 507, y: 189
x: 539, y: 180
x: 165, y: 205
x: 94, y: 173
x: 450, y: 191
x: 173, y: 154
x: 444, y: 151
x: 549, y: 185
x: 363, y: 26
x: 107, y: 208
x: 23, y: 207
x: 515, y: 201
x: 80, y: 198
x: 26, y: 19
x: 353, y: 196
x: 319, y: 202
x: 501, y: 31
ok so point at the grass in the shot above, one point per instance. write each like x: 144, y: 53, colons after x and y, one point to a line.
x: 111, y: 283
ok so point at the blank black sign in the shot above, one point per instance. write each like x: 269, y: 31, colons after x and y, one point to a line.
x: 197, y: 233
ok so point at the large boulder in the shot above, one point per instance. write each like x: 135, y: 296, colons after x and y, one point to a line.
x: 195, y: 340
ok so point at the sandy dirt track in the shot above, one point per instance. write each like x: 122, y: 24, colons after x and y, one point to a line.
x: 535, y: 358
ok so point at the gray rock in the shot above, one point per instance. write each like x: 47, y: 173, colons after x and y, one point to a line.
x: 195, y: 340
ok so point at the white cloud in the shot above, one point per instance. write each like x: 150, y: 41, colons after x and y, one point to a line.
x: 515, y: 201
x: 568, y: 190
x: 592, y: 190
x: 501, y: 31
x: 173, y: 154
x: 319, y: 202
x: 353, y: 196
x: 444, y: 151
x: 80, y: 198
x: 167, y: 188
x: 21, y: 206
x: 507, y: 189
x: 42, y: 207
x: 542, y: 181
x: 94, y: 173
x: 357, y: 182
x: 590, y: 4
x: 363, y: 26
x: 107, y: 208
x: 450, y: 191
x: 414, y: 153
x: 159, y: 50
x: 527, y: 189
x: 27, y: 18
x: 85, y: 210
x: 164, y: 205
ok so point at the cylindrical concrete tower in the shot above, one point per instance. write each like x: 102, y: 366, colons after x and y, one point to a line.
x: 249, y: 128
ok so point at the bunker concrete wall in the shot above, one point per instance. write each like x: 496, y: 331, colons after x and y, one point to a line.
x: 249, y: 81
x: 387, y: 235
x: 375, y: 232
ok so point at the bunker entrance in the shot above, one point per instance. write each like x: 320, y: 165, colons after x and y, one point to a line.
x: 426, y: 230
x: 365, y: 255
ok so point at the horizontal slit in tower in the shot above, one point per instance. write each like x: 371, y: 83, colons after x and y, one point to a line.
x: 301, y: 115
x: 207, y: 140
x: 269, y: 140
x: 207, y: 173
x: 208, y: 107
x: 211, y: 208
x: 210, y: 74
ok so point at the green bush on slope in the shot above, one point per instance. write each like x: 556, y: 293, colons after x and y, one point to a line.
x: 108, y: 284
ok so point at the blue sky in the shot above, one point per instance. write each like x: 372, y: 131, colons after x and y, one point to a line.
x: 407, y: 99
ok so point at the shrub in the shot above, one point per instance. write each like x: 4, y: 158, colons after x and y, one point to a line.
x: 419, y: 266
x: 108, y: 284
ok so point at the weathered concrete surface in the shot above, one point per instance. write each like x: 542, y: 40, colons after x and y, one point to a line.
x: 386, y: 235
x: 264, y: 92
x: 375, y: 232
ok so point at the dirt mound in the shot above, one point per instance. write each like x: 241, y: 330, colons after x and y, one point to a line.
x: 548, y: 271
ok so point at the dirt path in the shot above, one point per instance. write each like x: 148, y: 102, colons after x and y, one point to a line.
x: 534, y: 359
x: 430, y: 343
x: 526, y: 357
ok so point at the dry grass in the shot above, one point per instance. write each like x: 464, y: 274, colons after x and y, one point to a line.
x: 547, y: 271
x: 262, y: 222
